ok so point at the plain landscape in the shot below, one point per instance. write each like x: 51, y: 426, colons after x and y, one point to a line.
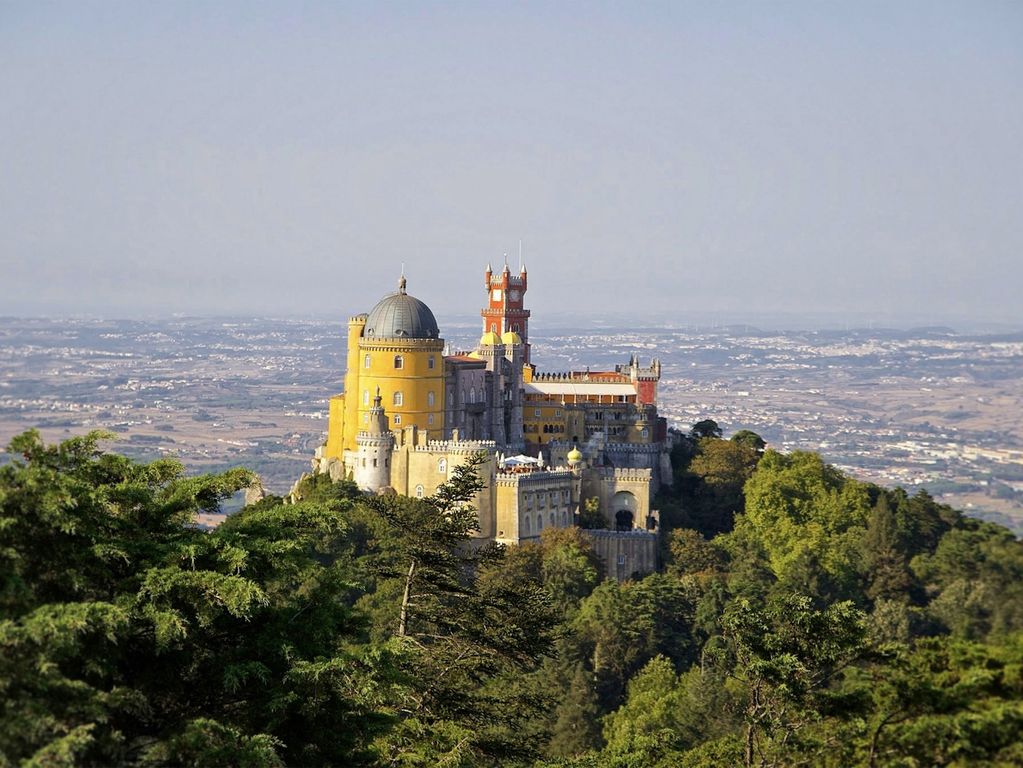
x: 925, y: 408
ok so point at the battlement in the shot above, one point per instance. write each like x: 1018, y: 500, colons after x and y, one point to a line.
x: 612, y: 447
x: 602, y: 533
x: 506, y: 278
x: 369, y: 438
x: 609, y: 447
x: 536, y: 477
x: 625, y: 474
x: 358, y: 319
x: 605, y: 377
x: 633, y: 369
x: 458, y: 447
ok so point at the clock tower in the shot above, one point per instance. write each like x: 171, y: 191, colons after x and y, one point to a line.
x: 504, y: 311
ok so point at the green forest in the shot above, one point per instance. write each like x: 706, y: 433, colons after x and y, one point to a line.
x: 800, y: 618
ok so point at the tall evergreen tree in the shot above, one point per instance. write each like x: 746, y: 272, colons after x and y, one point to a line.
x: 456, y: 635
x: 577, y: 724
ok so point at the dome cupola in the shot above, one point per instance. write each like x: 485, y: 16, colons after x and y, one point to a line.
x: 400, y: 316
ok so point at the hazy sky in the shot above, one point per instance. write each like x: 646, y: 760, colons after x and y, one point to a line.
x: 672, y: 157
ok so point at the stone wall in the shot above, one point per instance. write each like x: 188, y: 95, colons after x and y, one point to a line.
x: 625, y: 554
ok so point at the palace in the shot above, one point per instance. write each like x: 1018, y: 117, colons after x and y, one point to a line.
x: 410, y: 414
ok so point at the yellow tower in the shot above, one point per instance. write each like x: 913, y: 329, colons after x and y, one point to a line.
x: 395, y: 350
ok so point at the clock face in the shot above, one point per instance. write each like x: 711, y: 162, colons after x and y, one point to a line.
x: 513, y: 295
x: 496, y: 294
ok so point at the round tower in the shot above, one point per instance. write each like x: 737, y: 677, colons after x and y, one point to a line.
x: 401, y: 356
x: 372, y: 470
x: 349, y: 424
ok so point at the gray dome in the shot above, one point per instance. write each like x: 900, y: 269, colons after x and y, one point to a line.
x: 399, y: 315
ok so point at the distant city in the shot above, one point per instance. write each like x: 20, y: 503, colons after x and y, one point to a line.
x: 925, y: 408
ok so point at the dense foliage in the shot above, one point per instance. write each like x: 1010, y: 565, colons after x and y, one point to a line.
x: 801, y: 618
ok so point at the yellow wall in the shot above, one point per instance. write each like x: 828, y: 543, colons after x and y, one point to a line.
x: 507, y: 502
x: 415, y: 380
x: 335, y: 427
x: 552, y: 414
x: 351, y: 418
x: 423, y: 468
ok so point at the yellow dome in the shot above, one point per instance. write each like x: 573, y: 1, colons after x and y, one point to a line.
x: 489, y: 339
x: 510, y: 337
x: 575, y: 456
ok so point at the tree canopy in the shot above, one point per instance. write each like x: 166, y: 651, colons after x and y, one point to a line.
x: 802, y: 617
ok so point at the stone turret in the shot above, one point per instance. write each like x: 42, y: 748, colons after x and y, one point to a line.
x: 372, y: 470
x: 514, y: 352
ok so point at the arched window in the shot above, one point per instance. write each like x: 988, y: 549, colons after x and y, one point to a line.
x: 442, y: 466
x: 493, y: 328
x: 451, y: 398
x: 431, y: 362
x: 472, y: 395
x: 552, y: 519
x: 399, y: 361
x: 429, y: 419
x: 539, y: 523
x: 526, y: 521
x: 419, y: 491
x: 365, y: 361
x: 429, y: 399
x: 399, y: 398
x: 365, y: 397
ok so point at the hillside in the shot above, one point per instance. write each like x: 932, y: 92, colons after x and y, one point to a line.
x: 802, y: 617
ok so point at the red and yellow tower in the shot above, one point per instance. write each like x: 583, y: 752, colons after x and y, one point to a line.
x: 505, y: 309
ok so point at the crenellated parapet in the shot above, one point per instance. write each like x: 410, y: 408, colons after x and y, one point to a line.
x: 528, y: 479
x: 457, y: 447
x: 635, y: 370
x: 625, y: 474
x: 603, y: 377
x: 365, y: 437
x: 603, y: 533
x: 644, y: 448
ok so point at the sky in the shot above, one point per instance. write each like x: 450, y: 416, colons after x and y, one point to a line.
x: 673, y: 160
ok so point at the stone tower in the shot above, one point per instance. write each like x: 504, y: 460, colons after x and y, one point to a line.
x: 372, y: 470
x: 515, y: 350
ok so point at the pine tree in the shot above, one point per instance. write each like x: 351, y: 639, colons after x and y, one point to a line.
x: 456, y: 636
x: 885, y: 564
x: 577, y: 727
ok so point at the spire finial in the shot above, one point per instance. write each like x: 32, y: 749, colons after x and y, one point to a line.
x: 401, y: 280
